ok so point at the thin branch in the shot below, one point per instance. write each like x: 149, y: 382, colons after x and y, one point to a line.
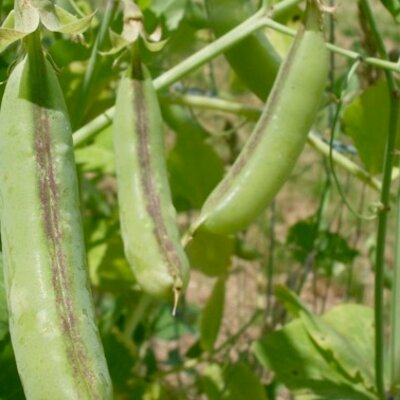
x: 385, y: 200
x: 207, y: 53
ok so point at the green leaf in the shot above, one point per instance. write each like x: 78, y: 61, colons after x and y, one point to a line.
x: 113, y: 270
x: 356, y: 322
x: 172, y: 328
x: 352, y: 358
x: 246, y: 251
x: 334, y: 247
x: 27, y: 16
x: 99, y: 155
x: 97, y: 248
x: 393, y: 6
x: 366, y: 121
x: 70, y: 24
x: 304, y: 237
x: 301, y: 238
x: 211, y: 381
x: 210, y: 253
x: 212, y: 315
x: 301, y: 366
x: 54, y: 18
x: 64, y: 51
x: 8, y: 34
x: 121, y: 355
x: 131, y: 30
x: 172, y: 11
x: 243, y: 384
x: 3, y: 304
x: 194, y: 167
x: 10, y: 384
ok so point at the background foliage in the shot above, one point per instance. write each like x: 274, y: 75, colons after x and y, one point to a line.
x: 282, y: 310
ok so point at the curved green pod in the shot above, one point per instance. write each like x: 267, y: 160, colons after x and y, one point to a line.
x: 148, y: 218
x: 52, y: 324
x: 254, y: 59
x: 278, y: 138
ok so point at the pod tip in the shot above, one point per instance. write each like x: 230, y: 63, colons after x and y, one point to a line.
x: 177, y: 295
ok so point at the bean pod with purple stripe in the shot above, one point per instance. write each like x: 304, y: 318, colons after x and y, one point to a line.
x: 52, y: 324
x: 271, y: 152
x: 148, y: 218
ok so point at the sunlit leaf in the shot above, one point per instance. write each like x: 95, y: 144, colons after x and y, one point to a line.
x: 212, y: 381
x: 71, y: 24
x: 337, y: 344
x: 121, y: 355
x: 172, y: 11
x: 301, y: 366
x: 98, y: 155
x: 193, y: 165
x: 27, y: 16
x: 8, y: 34
x: 169, y: 327
x: 393, y: 6
x: 114, y: 271
x: 366, y: 120
x: 242, y: 384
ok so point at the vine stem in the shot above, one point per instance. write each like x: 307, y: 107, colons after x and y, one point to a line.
x: 335, y: 120
x: 395, y: 314
x: 278, y: 9
x: 385, y: 199
x: 213, y: 103
x: 253, y: 113
x: 207, y: 53
x: 136, y: 315
x: 91, y: 71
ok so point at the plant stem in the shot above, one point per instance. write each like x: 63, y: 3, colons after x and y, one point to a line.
x: 91, y: 71
x: 339, y: 159
x: 93, y: 127
x: 207, y: 53
x: 395, y: 331
x: 282, y: 7
x: 213, y: 103
x: 353, y: 55
x: 385, y: 200
x: 136, y: 315
x: 271, y: 259
x: 253, y: 113
x: 203, y: 56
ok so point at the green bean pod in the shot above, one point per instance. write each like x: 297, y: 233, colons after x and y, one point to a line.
x: 148, y: 218
x: 52, y: 324
x: 254, y: 59
x: 278, y: 138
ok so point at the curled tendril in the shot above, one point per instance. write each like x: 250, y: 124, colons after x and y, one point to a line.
x: 374, y: 208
